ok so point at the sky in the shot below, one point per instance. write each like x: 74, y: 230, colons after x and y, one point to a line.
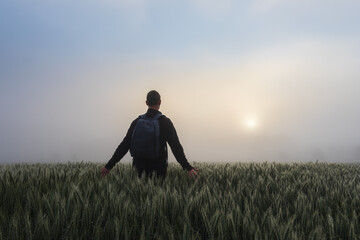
x: 252, y: 80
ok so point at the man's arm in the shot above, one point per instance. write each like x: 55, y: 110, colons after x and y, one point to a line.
x: 122, y: 149
x: 175, y: 145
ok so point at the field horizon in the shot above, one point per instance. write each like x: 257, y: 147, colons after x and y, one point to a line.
x: 192, y: 162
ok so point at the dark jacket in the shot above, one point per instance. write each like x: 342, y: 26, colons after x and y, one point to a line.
x: 167, y: 135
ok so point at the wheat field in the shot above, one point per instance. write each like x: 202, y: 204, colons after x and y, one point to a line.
x: 226, y: 201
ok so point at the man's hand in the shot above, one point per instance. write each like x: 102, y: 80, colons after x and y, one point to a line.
x: 192, y: 172
x: 104, y: 172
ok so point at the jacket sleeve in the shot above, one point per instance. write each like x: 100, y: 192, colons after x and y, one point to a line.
x: 175, y: 145
x: 122, y: 149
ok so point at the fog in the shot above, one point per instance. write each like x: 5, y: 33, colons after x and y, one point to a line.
x: 302, y: 90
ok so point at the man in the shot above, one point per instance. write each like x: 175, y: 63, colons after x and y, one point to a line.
x: 167, y: 134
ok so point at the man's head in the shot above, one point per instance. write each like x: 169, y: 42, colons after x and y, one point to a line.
x: 153, y: 99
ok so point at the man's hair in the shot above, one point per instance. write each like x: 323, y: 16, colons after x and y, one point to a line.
x: 152, y: 98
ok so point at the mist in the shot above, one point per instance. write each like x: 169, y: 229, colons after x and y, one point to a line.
x: 64, y: 101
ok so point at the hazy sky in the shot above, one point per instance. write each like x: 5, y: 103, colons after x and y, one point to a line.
x: 256, y: 80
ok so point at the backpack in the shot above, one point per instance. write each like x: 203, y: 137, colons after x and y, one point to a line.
x: 145, y: 138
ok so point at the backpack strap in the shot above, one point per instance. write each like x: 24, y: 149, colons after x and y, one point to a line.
x: 157, y: 116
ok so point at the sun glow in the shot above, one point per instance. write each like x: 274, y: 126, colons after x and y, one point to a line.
x: 251, y: 123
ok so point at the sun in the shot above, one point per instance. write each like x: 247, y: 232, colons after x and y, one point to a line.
x: 251, y: 123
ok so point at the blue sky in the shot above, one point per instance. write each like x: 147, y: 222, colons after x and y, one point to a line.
x: 64, y: 29
x: 73, y: 74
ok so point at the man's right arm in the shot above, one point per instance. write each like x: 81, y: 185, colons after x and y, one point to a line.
x: 122, y: 149
x: 175, y: 145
